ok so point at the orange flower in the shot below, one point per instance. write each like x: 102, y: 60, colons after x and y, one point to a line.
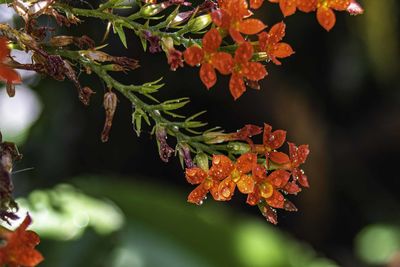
x: 238, y: 175
x: 206, y: 183
x: 270, y: 43
x: 209, y: 58
x: 325, y: 15
x: 244, y: 68
x: 7, y: 74
x: 288, y: 7
x: 272, y: 141
x: 232, y: 16
x: 19, y: 248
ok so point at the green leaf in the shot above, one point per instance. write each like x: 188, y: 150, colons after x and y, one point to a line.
x: 121, y: 34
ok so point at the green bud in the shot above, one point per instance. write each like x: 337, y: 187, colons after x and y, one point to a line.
x: 152, y: 9
x: 238, y: 147
x: 201, y: 160
x: 200, y: 22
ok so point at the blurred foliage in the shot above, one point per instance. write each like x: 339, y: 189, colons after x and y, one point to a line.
x: 160, y: 230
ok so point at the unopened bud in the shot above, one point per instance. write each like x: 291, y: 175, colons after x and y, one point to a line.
x: 110, y: 105
x: 200, y: 22
x: 152, y: 9
x: 164, y: 149
x: 202, y: 161
x: 10, y: 87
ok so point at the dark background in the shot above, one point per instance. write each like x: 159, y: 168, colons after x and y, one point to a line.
x: 339, y: 93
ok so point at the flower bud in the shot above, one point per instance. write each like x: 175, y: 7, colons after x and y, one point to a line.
x: 10, y: 87
x: 110, y: 105
x: 152, y: 9
x: 164, y: 149
x: 200, y: 22
x: 201, y: 160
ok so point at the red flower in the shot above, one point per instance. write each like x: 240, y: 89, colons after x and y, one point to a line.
x: 273, y: 141
x: 19, y: 249
x: 270, y: 43
x: 244, y: 68
x: 209, y: 58
x: 7, y: 74
x: 325, y: 15
x: 205, y: 183
x: 232, y: 16
x: 298, y: 156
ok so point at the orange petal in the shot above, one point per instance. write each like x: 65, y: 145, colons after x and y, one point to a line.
x: 211, y: 40
x: 307, y: 5
x: 276, y: 33
x: 251, y: 26
x: 282, y: 50
x: 208, y: 75
x: 221, y: 168
x: 4, y: 50
x: 246, y: 162
x: 195, y: 175
x: 275, y: 140
x: 193, y: 55
x: 244, y: 52
x: 226, y: 189
x: 221, y: 18
x: 326, y: 18
x: 197, y: 195
x: 339, y: 5
x: 278, y: 178
x: 254, y: 71
x: 223, y: 62
x: 292, y: 188
x: 278, y: 157
x: 266, y: 189
x: 299, y: 176
x: 259, y: 173
x: 9, y: 75
x: 236, y: 36
x: 269, y: 214
x: 253, y: 198
x: 263, y: 41
x: 288, y: 7
x: 246, y: 184
x: 276, y: 200
x: 236, y: 86
x: 256, y: 4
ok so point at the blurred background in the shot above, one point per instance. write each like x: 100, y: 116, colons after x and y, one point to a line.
x: 117, y: 204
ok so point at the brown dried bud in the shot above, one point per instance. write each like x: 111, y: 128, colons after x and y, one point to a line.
x: 164, y: 149
x: 61, y: 40
x: 10, y: 89
x: 110, y: 105
x: 85, y: 95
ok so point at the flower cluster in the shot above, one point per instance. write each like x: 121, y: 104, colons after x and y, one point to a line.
x: 324, y: 8
x: 264, y: 174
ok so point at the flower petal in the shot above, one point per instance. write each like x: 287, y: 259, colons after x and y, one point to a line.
x: 246, y: 184
x: 339, y: 5
x: 254, y: 71
x: 211, y: 40
x: 223, y: 62
x: 282, y: 50
x: 197, y: 195
x: 236, y: 86
x: 4, y: 50
x: 269, y: 214
x: 193, y: 55
x: 9, y: 75
x: 278, y: 178
x: 288, y: 7
x: 256, y: 4
x: 278, y: 157
x: 276, y: 33
x: 195, y: 175
x: 221, y: 168
x: 246, y: 162
x: 226, y: 189
x: 276, y: 200
x: 208, y: 75
x: 326, y: 17
x: 251, y: 26
x: 307, y: 5
x: 244, y: 52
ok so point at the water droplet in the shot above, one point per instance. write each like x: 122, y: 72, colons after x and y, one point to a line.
x: 157, y: 112
x: 226, y: 192
x: 200, y: 203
